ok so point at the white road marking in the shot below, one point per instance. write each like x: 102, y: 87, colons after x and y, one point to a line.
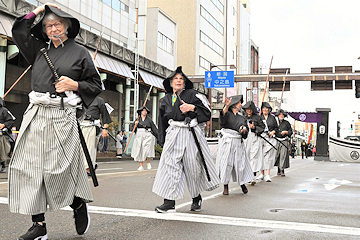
x: 330, y: 187
x: 3, y: 182
x: 220, y: 220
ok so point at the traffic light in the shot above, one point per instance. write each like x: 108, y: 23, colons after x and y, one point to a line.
x: 351, y: 127
x: 338, y: 129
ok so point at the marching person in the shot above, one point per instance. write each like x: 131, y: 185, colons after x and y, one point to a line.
x: 6, y: 122
x: 92, y: 128
x: 185, y: 155
x: 269, y: 151
x: 254, y: 143
x: 304, y: 147
x: 124, y: 140
x: 231, y: 159
x: 283, y: 134
x: 144, y: 143
x: 47, y: 167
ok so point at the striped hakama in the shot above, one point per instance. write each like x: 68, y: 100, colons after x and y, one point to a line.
x: 143, y: 146
x: 47, y: 168
x: 254, y: 149
x: 88, y: 129
x: 269, y: 152
x: 282, y: 154
x: 5, y: 147
x: 180, y: 160
x: 232, y: 159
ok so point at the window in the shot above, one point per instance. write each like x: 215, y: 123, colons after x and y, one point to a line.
x: 211, y: 20
x: 165, y: 43
x: 124, y: 7
x: 107, y: 2
x: 233, y: 31
x: 209, y: 42
x: 233, y: 54
x: 233, y: 11
x: 219, y: 5
x: 204, y: 63
x: 33, y: 2
x: 116, y: 5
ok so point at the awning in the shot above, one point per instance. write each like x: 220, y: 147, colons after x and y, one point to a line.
x: 112, y: 65
x: 151, y: 79
x: 6, y: 24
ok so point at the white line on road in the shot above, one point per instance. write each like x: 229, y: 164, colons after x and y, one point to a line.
x: 3, y: 182
x: 221, y: 220
x: 106, y: 169
x: 102, y: 174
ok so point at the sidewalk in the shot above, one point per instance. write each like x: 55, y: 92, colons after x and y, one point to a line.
x: 111, y: 156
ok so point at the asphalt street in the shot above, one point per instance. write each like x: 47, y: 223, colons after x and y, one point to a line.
x: 316, y: 200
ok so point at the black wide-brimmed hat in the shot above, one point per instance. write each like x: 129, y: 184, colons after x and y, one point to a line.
x: 37, y: 29
x: 281, y: 111
x: 250, y: 105
x: 235, y: 99
x: 167, y: 85
x: 267, y: 105
x: 142, y: 108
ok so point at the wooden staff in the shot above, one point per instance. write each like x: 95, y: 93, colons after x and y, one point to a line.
x: 97, y: 48
x: 127, y: 144
x: 283, y: 90
x: 26, y: 70
x: 267, y: 80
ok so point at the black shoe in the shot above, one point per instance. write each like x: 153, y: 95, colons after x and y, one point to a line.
x: 196, y: 205
x: 36, y: 232
x: 244, y: 189
x: 3, y: 169
x: 82, y: 219
x: 167, y: 207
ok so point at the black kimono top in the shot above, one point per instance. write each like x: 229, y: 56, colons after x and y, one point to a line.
x: 271, y: 123
x: 231, y: 121
x: 258, y: 123
x: 96, y: 108
x: 147, y: 124
x: 72, y: 61
x: 6, y: 117
x: 167, y: 111
x: 284, y: 126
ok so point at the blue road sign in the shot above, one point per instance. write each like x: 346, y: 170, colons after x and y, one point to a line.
x: 219, y: 79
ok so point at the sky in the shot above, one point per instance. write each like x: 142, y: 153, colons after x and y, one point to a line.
x: 305, y: 34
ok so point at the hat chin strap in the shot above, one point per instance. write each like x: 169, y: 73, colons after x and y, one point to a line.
x: 58, y: 37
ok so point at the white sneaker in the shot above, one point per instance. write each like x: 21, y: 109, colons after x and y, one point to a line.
x: 140, y: 168
x: 148, y: 166
x: 260, y: 177
x: 267, y: 178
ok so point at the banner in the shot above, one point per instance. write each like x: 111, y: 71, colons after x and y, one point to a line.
x: 306, y: 117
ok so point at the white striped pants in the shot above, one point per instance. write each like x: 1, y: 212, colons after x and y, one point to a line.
x: 92, y: 141
x: 232, y: 159
x: 47, y: 167
x: 180, y: 160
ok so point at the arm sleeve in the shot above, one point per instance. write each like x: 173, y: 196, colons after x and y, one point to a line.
x: 28, y: 45
x: 89, y: 82
x: 290, y: 131
x: 8, y: 118
x: 259, y: 125
x: 203, y: 113
x: 224, y: 117
x: 105, y: 116
x: 154, y: 129
x: 245, y: 135
x: 162, y: 122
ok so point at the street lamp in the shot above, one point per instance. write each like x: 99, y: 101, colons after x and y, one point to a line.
x: 232, y: 66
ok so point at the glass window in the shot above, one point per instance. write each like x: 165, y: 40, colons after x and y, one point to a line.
x: 165, y: 43
x: 212, y: 44
x: 204, y: 63
x: 107, y: 2
x: 219, y: 5
x: 211, y: 20
x: 124, y: 7
x: 116, y: 5
x: 33, y: 2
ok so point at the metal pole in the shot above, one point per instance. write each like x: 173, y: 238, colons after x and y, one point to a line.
x: 3, y: 50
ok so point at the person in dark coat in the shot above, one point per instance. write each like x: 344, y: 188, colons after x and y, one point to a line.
x: 181, y: 111
x: 303, y: 149
x: 144, y: 142
x: 232, y: 160
x: 283, y: 134
x: 271, y: 127
x: 254, y: 143
x: 6, y: 122
x: 47, y: 170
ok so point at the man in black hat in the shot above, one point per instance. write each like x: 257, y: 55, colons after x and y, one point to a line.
x: 232, y: 160
x: 47, y: 167
x: 144, y: 144
x: 283, y: 134
x: 186, y: 154
x: 92, y: 128
x: 254, y: 143
x: 6, y: 122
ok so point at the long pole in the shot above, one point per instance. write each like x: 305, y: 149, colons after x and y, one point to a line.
x: 127, y: 144
x: 97, y: 48
x: 267, y: 80
x: 26, y: 70
x: 283, y: 90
